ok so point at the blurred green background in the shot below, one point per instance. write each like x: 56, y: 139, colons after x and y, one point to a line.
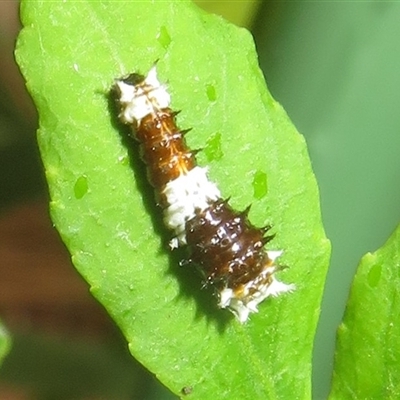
x: 334, y: 66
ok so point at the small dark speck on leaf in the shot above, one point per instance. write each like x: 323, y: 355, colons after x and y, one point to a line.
x: 187, y: 390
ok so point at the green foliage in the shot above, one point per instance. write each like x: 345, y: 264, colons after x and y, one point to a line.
x: 70, y: 53
x: 5, y: 343
x: 368, y: 349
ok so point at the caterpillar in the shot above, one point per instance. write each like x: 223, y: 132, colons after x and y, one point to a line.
x: 223, y: 244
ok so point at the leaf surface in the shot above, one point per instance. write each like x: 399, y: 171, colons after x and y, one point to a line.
x: 5, y: 343
x: 70, y: 53
x: 367, y: 361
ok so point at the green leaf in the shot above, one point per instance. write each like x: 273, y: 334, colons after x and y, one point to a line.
x: 5, y: 343
x: 70, y: 53
x: 367, y: 361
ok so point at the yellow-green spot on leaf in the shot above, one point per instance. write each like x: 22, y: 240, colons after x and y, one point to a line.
x: 260, y: 185
x: 211, y: 92
x: 163, y: 37
x: 124, y: 160
x: 213, y: 149
x: 374, y: 275
x: 80, y: 187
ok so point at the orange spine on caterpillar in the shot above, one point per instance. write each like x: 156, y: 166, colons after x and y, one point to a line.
x: 226, y: 247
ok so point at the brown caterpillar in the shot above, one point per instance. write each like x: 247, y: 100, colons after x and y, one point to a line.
x: 223, y: 243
